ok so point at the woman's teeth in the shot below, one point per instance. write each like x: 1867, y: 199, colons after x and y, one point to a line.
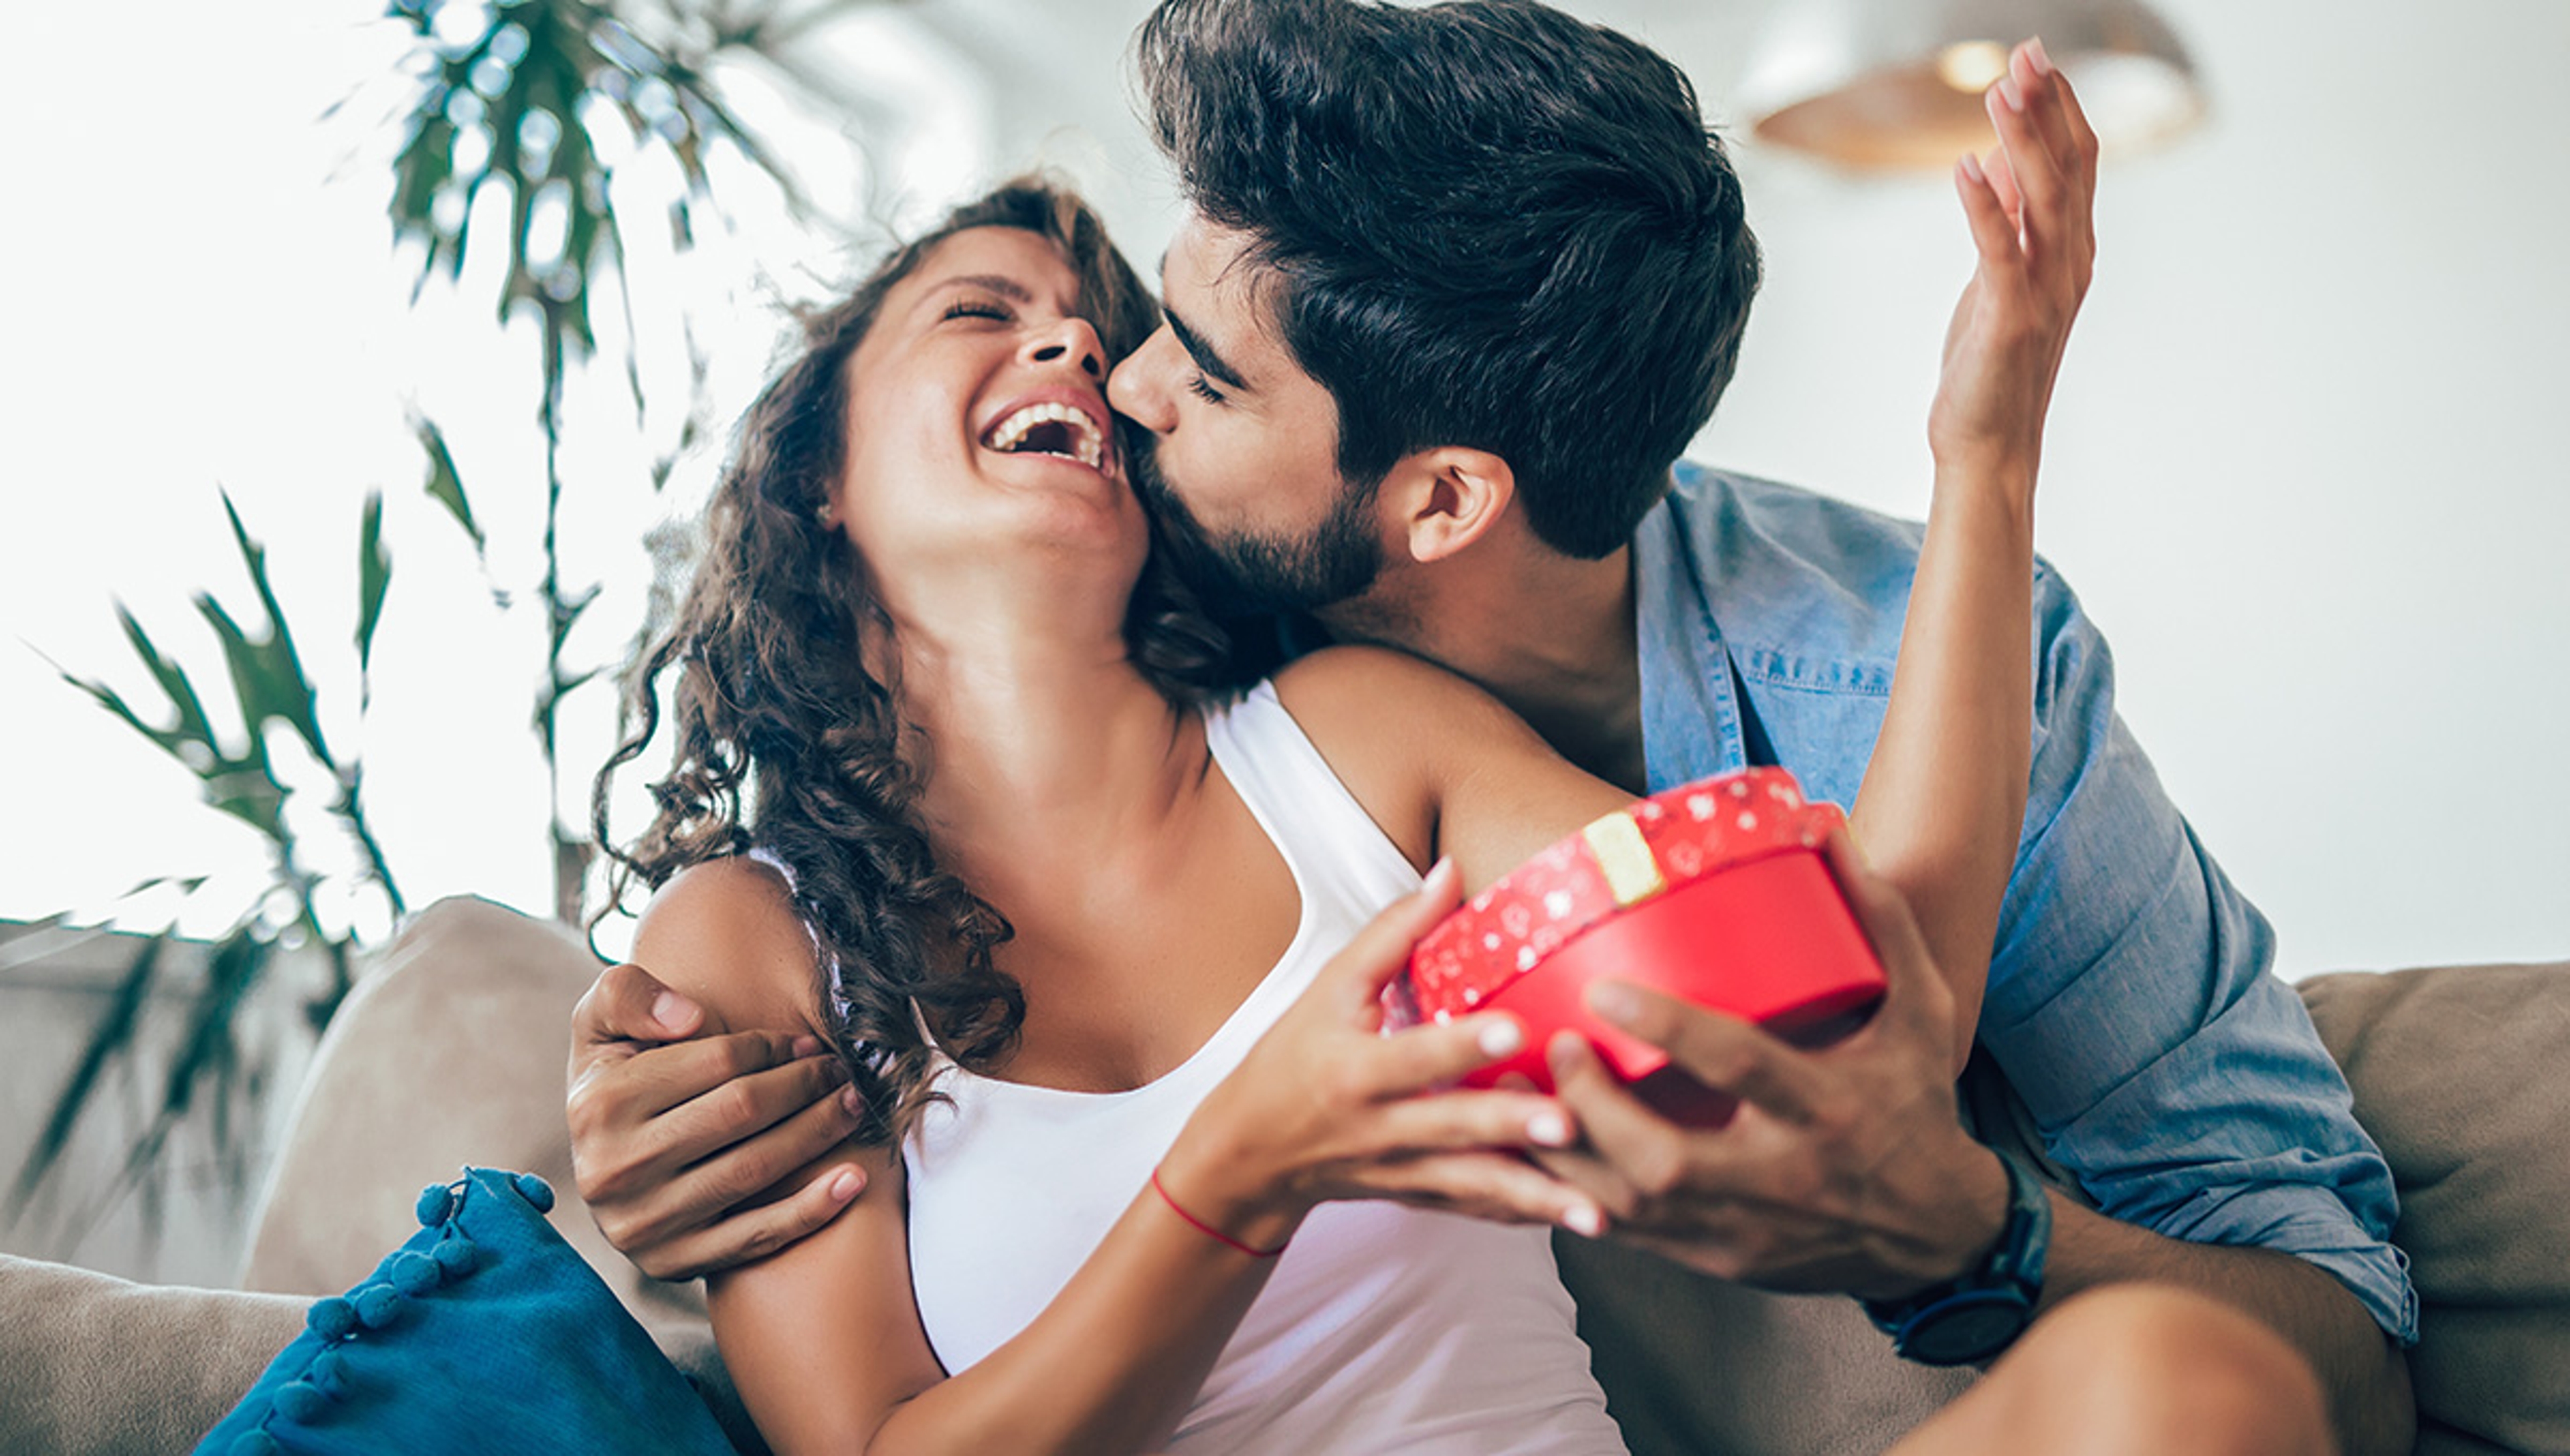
x: 1050, y: 429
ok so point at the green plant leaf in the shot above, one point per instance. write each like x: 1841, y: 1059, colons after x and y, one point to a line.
x: 192, y: 723
x: 233, y: 970
x: 248, y: 790
x: 374, y: 578
x: 264, y: 693
x: 107, y: 698
x: 445, y: 483
x: 112, y: 1037
x: 288, y: 692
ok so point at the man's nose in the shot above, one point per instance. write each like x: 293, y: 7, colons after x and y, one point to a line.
x: 1130, y: 391
x: 1072, y: 338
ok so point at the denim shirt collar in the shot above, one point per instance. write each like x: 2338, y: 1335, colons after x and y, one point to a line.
x: 1687, y: 681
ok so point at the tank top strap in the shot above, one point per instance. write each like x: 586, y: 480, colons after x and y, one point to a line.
x: 1334, y: 846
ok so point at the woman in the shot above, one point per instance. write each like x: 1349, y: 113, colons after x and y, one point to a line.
x: 917, y: 639
x: 1063, y: 909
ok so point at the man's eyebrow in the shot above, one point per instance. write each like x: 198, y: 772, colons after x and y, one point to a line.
x: 1006, y: 287
x: 1202, y: 352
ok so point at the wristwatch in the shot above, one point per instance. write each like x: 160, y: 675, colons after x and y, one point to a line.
x: 1974, y: 1318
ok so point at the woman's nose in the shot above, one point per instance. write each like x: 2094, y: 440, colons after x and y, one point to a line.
x: 1073, y: 339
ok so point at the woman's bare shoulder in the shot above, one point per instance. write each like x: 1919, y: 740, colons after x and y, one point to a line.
x: 727, y: 934
x: 1354, y: 677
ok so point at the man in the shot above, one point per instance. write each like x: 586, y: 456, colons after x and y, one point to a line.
x: 1458, y: 286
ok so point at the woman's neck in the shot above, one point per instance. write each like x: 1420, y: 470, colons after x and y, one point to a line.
x: 1042, y: 748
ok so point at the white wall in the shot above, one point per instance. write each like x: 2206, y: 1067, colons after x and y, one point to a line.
x: 2310, y: 464
x: 2309, y: 455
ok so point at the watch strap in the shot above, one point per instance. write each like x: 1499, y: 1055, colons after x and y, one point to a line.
x: 1977, y: 1315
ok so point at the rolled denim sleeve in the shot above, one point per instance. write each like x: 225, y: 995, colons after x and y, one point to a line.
x: 2130, y: 1003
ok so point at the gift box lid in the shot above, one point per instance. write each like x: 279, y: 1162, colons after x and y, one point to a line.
x: 1626, y: 858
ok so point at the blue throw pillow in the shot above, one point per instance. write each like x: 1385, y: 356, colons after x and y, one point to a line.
x: 485, y: 1331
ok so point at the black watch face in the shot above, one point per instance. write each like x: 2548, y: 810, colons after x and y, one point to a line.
x: 1967, y: 1327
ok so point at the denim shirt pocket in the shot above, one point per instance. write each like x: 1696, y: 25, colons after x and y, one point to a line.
x: 1821, y: 713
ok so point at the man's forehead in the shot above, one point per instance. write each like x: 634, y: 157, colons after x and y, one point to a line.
x: 1213, y: 279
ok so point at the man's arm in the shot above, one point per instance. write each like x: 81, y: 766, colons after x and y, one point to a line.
x: 679, y: 1142
x: 1847, y: 1170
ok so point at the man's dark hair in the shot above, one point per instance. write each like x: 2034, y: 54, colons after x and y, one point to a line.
x: 1490, y: 224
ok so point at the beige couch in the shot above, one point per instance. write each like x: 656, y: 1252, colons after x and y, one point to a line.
x: 451, y: 1051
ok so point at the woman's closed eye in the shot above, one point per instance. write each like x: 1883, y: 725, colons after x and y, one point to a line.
x: 979, y: 308
x: 1197, y: 385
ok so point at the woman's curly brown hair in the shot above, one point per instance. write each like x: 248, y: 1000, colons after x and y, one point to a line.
x: 784, y: 739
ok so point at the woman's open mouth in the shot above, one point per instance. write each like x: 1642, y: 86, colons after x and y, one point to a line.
x: 1050, y: 427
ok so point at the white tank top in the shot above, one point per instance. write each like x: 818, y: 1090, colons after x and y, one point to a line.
x: 1382, y: 1328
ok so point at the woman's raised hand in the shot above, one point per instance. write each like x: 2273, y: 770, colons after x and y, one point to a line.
x: 1326, y: 1106
x: 2030, y: 206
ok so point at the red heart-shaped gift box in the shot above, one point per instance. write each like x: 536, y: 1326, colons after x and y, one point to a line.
x: 1715, y: 892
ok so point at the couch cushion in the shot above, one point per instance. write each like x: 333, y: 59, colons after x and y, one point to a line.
x: 451, y: 1051
x: 484, y: 1330
x: 95, y: 1367
x: 2464, y: 1076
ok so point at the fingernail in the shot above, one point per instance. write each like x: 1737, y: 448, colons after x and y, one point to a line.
x: 845, y: 1186
x: 1584, y: 1220
x: 1551, y: 1129
x: 850, y: 1102
x: 1971, y: 165
x: 2009, y: 93
x: 1500, y: 1036
x: 665, y: 1008
x: 805, y: 1046
x: 1614, y: 1001
x: 1563, y: 1052
x: 1440, y: 876
x: 2034, y: 53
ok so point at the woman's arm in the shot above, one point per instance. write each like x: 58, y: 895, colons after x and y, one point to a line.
x: 824, y: 1340
x: 1944, y: 798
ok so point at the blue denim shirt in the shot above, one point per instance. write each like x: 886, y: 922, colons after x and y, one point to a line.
x: 2129, y: 997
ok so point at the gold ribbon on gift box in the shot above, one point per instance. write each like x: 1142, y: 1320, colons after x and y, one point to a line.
x: 1624, y: 858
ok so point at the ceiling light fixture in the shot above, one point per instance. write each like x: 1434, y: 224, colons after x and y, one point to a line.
x: 1896, y: 84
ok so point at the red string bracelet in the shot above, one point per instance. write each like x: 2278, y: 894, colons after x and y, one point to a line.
x: 1209, y: 1229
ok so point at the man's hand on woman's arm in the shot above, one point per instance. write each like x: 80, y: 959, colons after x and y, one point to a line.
x: 680, y: 1143
x: 1847, y: 1170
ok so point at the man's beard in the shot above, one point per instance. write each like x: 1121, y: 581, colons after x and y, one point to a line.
x: 1339, y: 559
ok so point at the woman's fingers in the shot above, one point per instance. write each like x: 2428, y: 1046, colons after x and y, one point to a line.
x: 1496, y: 1186
x: 2003, y: 180
x: 2030, y: 163
x: 1425, y: 1059
x: 1453, y: 1121
x: 2043, y: 89
x: 1993, y: 228
x: 1357, y: 976
x: 2048, y: 155
x: 2083, y: 137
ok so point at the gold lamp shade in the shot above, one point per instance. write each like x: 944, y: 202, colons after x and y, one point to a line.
x: 1896, y: 84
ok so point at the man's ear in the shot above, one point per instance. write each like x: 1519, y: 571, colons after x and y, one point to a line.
x: 1440, y: 500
